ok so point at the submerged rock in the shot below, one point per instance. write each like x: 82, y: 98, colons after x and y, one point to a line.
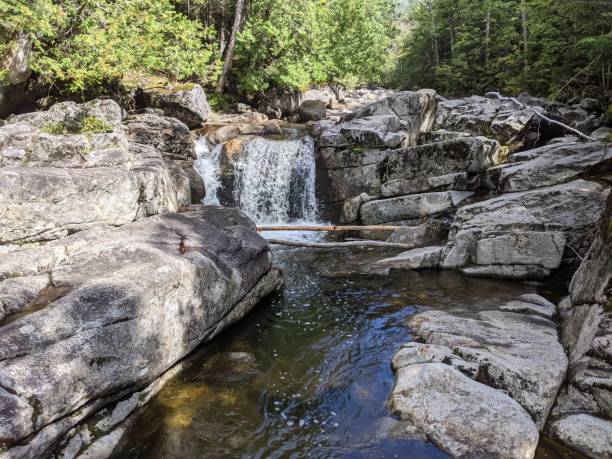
x: 130, y: 303
x: 463, y: 417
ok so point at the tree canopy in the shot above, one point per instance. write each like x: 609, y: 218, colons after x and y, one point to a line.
x: 545, y: 47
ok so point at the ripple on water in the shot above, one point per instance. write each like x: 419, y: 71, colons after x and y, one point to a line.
x: 306, y: 374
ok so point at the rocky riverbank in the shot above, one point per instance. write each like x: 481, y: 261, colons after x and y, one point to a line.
x: 111, y: 272
x: 491, y: 189
x: 104, y: 285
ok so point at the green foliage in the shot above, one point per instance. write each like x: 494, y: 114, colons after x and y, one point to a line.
x: 218, y: 102
x: 88, y: 43
x: 296, y: 43
x: 473, y: 46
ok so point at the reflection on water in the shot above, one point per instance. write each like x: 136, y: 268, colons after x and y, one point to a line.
x: 306, y: 374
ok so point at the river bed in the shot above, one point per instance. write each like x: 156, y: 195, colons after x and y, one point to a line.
x: 307, y: 373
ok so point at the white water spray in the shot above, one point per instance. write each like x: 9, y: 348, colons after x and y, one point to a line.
x: 207, y: 165
x: 275, y: 180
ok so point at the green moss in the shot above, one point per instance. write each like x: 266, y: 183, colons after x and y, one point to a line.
x: 359, y: 150
x: 93, y: 125
x: 89, y: 125
x: 55, y: 128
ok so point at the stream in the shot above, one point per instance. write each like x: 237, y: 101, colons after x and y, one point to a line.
x: 307, y: 373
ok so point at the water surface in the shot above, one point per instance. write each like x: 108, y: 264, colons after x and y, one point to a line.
x: 307, y: 373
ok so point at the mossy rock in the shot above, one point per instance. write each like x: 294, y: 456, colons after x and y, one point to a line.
x: 88, y: 125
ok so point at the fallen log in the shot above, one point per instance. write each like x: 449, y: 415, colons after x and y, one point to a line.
x: 328, y: 228
x: 544, y: 117
x: 337, y: 245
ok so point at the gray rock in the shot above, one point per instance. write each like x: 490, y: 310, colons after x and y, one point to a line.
x: 589, y: 435
x: 189, y: 104
x: 519, y: 232
x: 16, y: 60
x: 381, y: 131
x: 603, y: 134
x: 556, y: 164
x: 415, y: 259
x: 517, y: 353
x: 173, y: 140
x: 531, y: 304
x: 590, y: 104
x: 412, y: 206
x: 347, y: 173
x: 414, y: 353
x: 462, y: 416
x: 416, y: 109
x: 425, y: 234
x: 26, y: 146
x: 277, y: 103
x: 44, y: 203
x: 70, y: 116
x: 313, y: 110
x: 171, y: 281
x: 401, y: 187
x: 501, y: 120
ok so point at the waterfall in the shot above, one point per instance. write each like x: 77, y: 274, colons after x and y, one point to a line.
x: 274, y: 180
x: 207, y: 165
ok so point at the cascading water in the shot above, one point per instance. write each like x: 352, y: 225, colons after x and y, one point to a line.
x: 274, y: 180
x: 207, y: 165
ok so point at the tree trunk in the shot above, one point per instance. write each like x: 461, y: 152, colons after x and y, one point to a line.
x: 525, y: 25
x: 487, y: 36
x: 229, y: 55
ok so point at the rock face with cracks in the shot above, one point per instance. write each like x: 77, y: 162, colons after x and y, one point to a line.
x: 119, y: 307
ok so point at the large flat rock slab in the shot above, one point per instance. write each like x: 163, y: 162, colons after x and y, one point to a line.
x: 415, y: 206
x: 517, y: 352
x: 556, y: 164
x: 119, y: 307
x: 462, y: 416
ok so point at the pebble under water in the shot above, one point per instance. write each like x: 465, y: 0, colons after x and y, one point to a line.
x: 307, y: 373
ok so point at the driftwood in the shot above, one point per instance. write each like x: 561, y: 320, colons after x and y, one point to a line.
x: 338, y: 245
x: 546, y: 118
x: 328, y: 228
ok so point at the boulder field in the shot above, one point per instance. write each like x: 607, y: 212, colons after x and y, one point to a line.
x: 109, y: 275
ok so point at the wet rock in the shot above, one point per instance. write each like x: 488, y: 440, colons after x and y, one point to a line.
x: 538, y: 307
x: 70, y: 117
x: 401, y: 187
x: 517, y: 353
x: 518, y: 235
x: 223, y: 128
x: 188, y: 104
x: 556, y: 164
x: 589, y: 435
x: 415, y: 259
x: 412, y: 206
x: 312, y: 110
x: 428, y: 233
x: 603, y: 134
x: 462, y: 416
x: 139, y: 298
